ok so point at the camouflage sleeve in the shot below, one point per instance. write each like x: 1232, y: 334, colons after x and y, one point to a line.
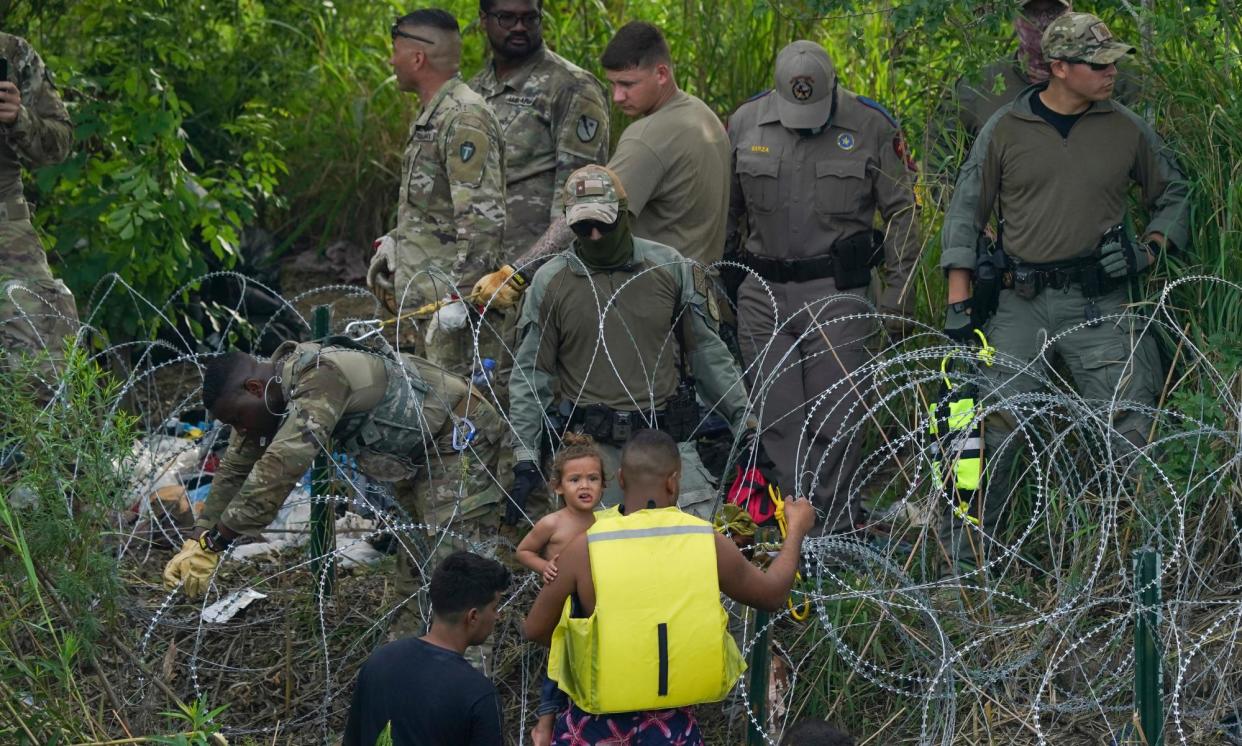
x: 474, y: 161
x: 893, y: 189
x: 719, y: 380
x: 230, y: 475
x: 970, y: 207
x: 530, y: 383
x: 1165, y: 190
x: 580, y: 129
x: 316, y: 404
x: 42, y: 133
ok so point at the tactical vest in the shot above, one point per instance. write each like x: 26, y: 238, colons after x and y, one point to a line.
x: 389, y: 440
x: 657, y: 638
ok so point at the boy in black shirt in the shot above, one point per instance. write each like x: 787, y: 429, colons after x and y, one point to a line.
x: 424, y: 687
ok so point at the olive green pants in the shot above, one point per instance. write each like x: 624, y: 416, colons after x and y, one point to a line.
x: 1114, y: 364
x: 37, y: 312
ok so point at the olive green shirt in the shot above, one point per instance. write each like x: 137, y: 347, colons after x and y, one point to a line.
x: 1059, y: 196
x: 555, y: 120
x: 607, y: 337
x: 674, y: 165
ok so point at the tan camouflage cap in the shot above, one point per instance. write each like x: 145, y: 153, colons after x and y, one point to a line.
x: 1082, y: 37
x: 805, y: 78
x: 593, y: 193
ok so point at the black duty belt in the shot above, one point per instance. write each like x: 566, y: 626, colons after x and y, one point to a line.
x: 608, y: 425
x: 1087, y: 274
x: 790, y: 270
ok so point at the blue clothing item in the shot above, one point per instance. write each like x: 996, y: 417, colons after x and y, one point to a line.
x: 551, y: 699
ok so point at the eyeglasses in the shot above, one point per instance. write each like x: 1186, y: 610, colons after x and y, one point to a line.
x: 507, y: 20
x: 396, y: 31
x: 583, y: 228
x: 1096, y: 66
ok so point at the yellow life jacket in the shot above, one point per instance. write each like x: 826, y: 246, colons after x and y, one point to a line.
x: 657, y: 638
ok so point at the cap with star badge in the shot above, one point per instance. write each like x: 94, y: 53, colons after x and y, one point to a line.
x: 593, y: 193
x: 1082, y: 37
x: 805, y: 78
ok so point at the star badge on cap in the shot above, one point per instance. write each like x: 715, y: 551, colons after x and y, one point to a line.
x: 802, y: 87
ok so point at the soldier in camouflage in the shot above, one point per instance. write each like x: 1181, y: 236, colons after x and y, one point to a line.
x: 405, y: 420
x: 599, y: 346
x: 451, y: 213
x: 555, y: 121
x: 37, y: 312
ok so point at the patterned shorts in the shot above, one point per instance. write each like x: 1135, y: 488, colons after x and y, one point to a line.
x: 676, y: 727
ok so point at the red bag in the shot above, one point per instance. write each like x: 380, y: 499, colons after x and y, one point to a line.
x: 750, y: 492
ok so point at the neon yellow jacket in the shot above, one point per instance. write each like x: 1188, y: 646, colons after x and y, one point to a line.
x: 657, y: 638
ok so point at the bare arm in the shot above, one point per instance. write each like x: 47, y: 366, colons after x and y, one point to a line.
x: 546, y: 611
x: 555, y: 239
x: 530, y: 549
x: 747, y: 584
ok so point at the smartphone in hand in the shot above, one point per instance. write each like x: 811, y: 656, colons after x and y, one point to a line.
x: 4, y: 68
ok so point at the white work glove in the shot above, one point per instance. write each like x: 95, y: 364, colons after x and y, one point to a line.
x: 450, y: 317
x: 383, y: 265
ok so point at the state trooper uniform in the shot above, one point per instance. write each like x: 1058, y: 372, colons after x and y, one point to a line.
x: 812, y: 165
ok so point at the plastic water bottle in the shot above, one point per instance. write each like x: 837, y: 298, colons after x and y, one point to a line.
x: 484, y: 373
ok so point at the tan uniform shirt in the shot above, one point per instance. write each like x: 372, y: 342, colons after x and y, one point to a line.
x: 674, y: 165
x: 555, y: 121
x: 795, y: 196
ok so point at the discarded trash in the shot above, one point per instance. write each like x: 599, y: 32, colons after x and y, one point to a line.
x: 228, y: 607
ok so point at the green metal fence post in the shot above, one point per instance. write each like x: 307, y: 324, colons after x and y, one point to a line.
x: 322, y: 517
x: 1148, y: 676
x: 760, y: 664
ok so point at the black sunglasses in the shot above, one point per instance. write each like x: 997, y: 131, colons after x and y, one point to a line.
x: 396, y: 31
x: 507, y: 20
x: 1096, y: 66
x: 583, y: 228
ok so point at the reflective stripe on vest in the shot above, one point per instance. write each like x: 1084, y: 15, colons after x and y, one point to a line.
x: 657, y: 637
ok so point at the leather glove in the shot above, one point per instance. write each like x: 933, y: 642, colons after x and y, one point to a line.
x: 500, y: 289
x: 194, y: 564
x: 380, y: 275
x: 1119, y: 260
x: 525, y: 480
x: 959, y: 325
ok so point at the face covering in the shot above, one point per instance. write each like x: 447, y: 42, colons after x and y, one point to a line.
x: 613, y: 250
x: 1030, y: 30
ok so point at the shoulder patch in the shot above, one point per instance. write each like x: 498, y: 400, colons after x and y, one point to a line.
x: 872, y: 103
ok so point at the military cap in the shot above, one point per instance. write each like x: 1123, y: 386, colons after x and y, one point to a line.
x: 1063, y: 3
x: 805, y: 78
x: 593, y: 193
x: 1082, y: 37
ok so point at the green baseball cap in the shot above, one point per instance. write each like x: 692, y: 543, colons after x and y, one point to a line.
x: 1082, y: 37
x: 593, y: 193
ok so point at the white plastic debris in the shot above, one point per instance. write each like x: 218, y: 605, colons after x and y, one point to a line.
x: 228, y: 607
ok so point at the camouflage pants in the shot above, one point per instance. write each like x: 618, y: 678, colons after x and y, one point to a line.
x: 458, y: 496
x: 1114, y: 361
x: 37, y: 312
x: 494, y: 332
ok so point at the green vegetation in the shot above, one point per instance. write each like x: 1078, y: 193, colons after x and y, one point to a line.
x: 198, y: 121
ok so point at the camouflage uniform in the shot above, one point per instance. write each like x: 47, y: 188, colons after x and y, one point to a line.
x: 1060, y: 195
x: 36, y: 311
x: 555, y: 120
x: 608, y: 337
x: 451, y: 214
x: 399, y: 422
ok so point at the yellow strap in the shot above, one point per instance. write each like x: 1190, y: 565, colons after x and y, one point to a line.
x: 802, y: 611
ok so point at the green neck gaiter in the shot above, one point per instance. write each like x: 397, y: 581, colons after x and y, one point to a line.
x: 612, y: 251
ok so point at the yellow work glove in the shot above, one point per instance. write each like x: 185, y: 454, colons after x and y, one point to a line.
x: 500, y: 289
x: 194, y: 564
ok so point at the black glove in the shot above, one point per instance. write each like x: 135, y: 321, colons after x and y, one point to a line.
x: 959, y: 324
x: 525, y: 479
x: 1123, y: 259
x: 757, y: 454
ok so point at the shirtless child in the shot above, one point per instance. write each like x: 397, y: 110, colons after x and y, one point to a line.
x: 578, y: 480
